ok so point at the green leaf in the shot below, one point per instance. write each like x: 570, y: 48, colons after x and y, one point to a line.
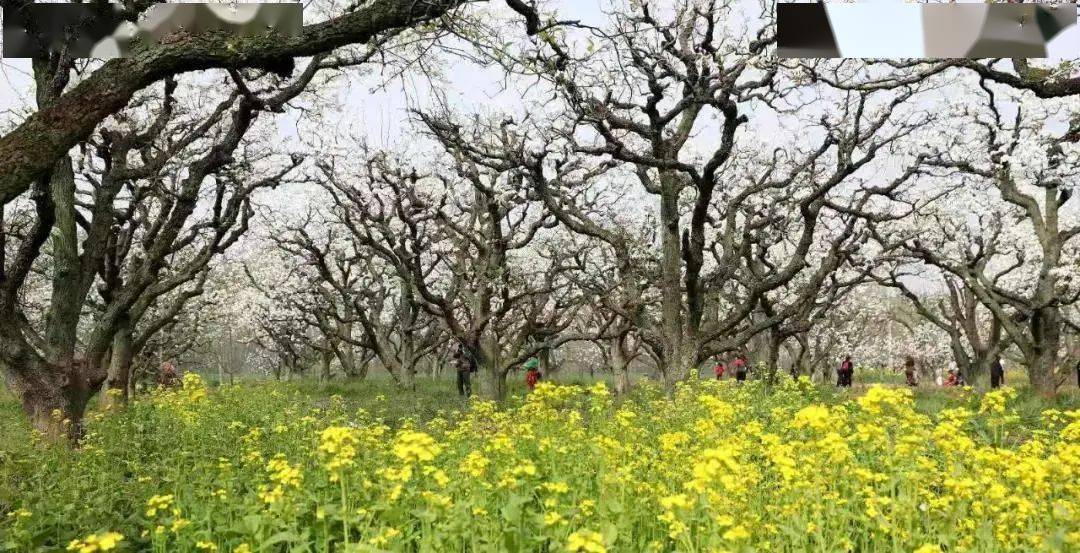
x: 511, y: 511
x: 281, y: 537
x: 251, y: 523
x: 610, y: 532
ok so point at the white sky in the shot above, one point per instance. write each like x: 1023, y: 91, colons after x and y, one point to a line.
x: 469, y: 86
x: 378, y: 114
x: 895, y: 29
x: 1066, y: 45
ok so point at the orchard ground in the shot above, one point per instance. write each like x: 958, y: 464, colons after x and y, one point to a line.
x: 364, y: 466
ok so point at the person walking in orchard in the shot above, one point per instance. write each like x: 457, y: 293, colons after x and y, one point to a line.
x: 740, y: 367
x: 168, y: 377
x: 718, y: 369
x: 843, y: 375
x: 532, y: 373
x: 997, y: 373
x: 909, y: 371
x: 953, y: 379
x: 465, y: 364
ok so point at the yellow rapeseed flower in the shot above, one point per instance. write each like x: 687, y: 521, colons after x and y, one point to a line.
x: 93, y: 543
x: 814, y: 417
x: 585, y: 541
x: 158, y: 503
x: 412, y: 446
x: 338, y: 446
x: 736, y: 533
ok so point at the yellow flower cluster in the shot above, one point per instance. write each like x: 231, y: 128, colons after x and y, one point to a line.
x: 158, y: 503
x: 20, y: 513
x: 415, y: 447
x: 338, y: 446
x: 283, y: 476
x: 93, y: 543
x: 194, y: 387
x: 993, y: 402
x: 814, y: 417
x: 585, y: 541
x: 706, y: 466
x: 879, y: 400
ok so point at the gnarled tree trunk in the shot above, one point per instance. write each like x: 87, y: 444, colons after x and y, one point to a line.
x: 118, y: 382
x: 1042, y: 357
x: 620, y: 365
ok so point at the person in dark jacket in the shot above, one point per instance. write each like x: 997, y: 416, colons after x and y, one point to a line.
x: 168, y: 377
x: 997, y: 374
x: 740, y: 367
x: 909, y: 371
x: 465, y: 364
x: 844, y: 373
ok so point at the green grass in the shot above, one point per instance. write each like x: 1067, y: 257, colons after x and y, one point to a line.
x: 378, y: 395
x: 14, y: 428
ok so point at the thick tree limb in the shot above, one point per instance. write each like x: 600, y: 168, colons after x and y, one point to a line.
x: 29, y: 151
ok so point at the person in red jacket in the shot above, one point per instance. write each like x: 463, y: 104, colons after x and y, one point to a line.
x: 532, y: 373
x: 718, y: 369
x: 952, y: 379
x: 955, y: 378
x: 843, y: 375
